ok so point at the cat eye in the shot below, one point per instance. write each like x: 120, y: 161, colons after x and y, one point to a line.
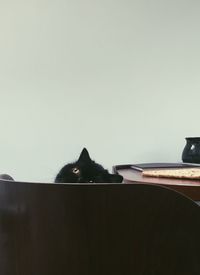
x: 75, y: 171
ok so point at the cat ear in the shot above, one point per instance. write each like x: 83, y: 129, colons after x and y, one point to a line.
x: 115, y: 178
x: 84, y: 156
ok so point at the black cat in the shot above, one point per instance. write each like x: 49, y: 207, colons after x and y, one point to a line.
x: 85, y: 170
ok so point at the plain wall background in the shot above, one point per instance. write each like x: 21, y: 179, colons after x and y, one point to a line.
x: 119, y: 77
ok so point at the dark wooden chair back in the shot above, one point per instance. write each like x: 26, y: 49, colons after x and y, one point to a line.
x: 107, y: 229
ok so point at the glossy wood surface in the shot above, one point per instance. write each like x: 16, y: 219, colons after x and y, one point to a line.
x: 118, y: 229
x: 190, y: 188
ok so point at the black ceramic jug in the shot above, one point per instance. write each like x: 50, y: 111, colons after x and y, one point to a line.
x: 191, y: 152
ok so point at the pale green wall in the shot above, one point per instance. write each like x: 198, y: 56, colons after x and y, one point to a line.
x: 117, y: 76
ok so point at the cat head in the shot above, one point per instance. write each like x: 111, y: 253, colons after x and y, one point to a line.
x: 85, y: 170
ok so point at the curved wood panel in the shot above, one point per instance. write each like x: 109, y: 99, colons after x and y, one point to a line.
x: 120, y: 229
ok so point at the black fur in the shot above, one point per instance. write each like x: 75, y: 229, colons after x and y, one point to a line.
x: 85, y: 170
